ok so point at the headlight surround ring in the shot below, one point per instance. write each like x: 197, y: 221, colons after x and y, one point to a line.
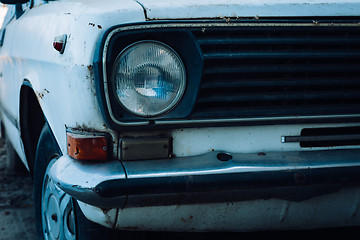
x: 149, y: 78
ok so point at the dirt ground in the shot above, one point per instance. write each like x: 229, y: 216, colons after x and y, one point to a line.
x: 16, y: 203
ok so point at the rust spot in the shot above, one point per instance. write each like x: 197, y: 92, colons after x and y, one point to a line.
x: 42, y: 94
x: 90, y: 68
x: 187, y: 219
x: 94, y: 25
x: 227, y: 19
x: 82, y: 129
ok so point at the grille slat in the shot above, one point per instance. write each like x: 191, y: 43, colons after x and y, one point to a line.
x: 232, y: 83
x: 280, y: 96
x: 283, y: 69
x: 270, y: 112
x: 294, y: 55
x: 278, y: 41
x: 279, y: 71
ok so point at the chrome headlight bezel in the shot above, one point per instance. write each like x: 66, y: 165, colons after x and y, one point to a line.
x: 149, y: 78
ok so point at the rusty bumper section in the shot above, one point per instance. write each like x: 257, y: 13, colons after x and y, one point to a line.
x: 208, y: 178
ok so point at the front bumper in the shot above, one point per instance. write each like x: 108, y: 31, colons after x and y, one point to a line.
x: 294, y: 176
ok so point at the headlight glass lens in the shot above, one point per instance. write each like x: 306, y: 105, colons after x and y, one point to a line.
x: 149, y: 78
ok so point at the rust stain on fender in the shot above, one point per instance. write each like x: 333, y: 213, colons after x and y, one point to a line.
x: 41, y: 94
x: 90, y: 68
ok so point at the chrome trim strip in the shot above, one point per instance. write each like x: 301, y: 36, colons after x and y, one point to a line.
x: 205, y: 25
x: 320, y: 138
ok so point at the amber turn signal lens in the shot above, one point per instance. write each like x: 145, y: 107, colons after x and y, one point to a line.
x: 87, y: 147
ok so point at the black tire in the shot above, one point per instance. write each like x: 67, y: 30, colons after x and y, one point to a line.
x: 47, y: 152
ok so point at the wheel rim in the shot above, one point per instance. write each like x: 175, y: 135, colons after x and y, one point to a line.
x: 58, y: 219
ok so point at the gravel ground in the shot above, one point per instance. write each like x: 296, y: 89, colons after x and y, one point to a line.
x: 16, y: 203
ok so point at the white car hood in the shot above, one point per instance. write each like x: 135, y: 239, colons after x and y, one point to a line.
x: 196, y: 9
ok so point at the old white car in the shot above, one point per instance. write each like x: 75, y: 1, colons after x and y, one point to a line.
x: 235, y: 115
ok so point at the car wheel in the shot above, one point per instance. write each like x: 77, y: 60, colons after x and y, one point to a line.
x: 57, y: 211
x: 57, y: 214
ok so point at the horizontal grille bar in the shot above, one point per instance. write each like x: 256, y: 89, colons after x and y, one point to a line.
x: 264, y: 82
x: 279, y: 71
x: 293, y: 54
x: 278, y: 41
x: 218, y: 112
x: 283, y: 96
x: 284, y: 69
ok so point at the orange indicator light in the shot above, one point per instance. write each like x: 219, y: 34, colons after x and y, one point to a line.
x: 87, y: 147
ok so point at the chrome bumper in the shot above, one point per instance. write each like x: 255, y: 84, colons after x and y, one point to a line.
x: 206, y: 179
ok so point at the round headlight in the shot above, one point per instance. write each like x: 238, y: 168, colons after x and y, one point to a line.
x: 149, y: 78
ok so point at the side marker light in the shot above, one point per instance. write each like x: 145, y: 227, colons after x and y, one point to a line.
x: 59, y: 43
x: 87, y: 147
